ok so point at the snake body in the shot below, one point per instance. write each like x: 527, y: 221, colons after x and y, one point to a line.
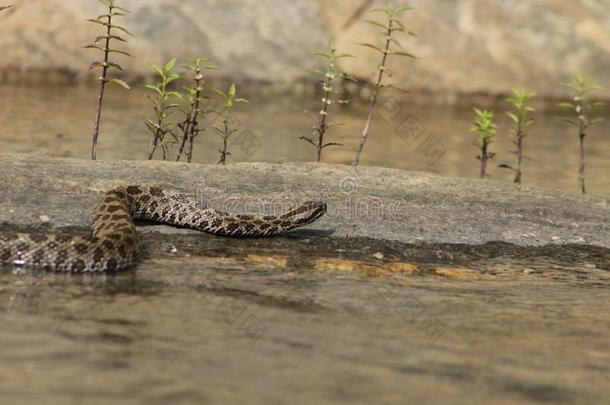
x: 113, y: 243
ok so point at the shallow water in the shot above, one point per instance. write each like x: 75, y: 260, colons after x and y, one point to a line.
x: 58, y: 122
x: 261, y: 323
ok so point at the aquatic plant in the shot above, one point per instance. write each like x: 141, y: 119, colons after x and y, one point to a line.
x: 486, y: 130
x: 392, y: 26
x: 225, y: 131
x: 164, y: 103
x: 112, y: 32
x: 582, y: 107
x: 520, y: 115
x: 327, y: 79
x: 193, y: 96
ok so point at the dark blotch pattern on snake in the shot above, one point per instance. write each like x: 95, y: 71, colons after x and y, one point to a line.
x: 113, y: 244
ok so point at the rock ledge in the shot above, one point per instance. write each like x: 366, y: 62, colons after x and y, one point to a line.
x: 368, y: 202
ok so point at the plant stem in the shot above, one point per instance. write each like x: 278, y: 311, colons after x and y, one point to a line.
x: 375, y: 96
x: 155, y: 140
x: 191, y: 129
x: 103, y: 80
x: 194, y: 132
x: 484, y: 158
x: 194, y: 129
x: 322, y: 128
x: 160, y: 122
x: 185, y: 130
x: 581, y: 169
x: 224, y: 153
x: 582, y: 133
x: 519, y: 173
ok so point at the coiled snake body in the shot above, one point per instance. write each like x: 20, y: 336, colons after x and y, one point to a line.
x: 113, y: 243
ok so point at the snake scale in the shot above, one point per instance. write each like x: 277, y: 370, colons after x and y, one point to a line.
x: 113, y: 243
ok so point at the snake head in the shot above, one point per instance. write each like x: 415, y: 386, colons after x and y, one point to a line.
x: 308, y: 212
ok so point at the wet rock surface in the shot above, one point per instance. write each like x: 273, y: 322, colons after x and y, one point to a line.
x: 437, y: 300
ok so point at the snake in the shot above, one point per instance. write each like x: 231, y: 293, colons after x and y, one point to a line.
x: 112, y: 243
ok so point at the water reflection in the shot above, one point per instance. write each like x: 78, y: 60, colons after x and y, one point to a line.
x: 57, y: 122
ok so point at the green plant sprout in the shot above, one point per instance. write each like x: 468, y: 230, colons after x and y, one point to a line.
x: 582, y: 107
x: 225, y: 131
x: 520, y: 115
x: 328, y: 78
x: 163, y: 105
x: 102, y: 43
x: 193, y: 96
x: 486, y: 130
x: 391, y: 26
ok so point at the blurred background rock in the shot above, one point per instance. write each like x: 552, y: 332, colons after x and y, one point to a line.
x: 463, y: 46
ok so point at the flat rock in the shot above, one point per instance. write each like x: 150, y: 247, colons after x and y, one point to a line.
x: 376, y: 203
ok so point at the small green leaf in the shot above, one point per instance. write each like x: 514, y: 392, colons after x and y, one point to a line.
x: 122, y: 9
x: 405, y: 54
x: 154, y: 88
x: 95, y: 46
x: 121, y: 83
x: 380, y: 10
x: 96, y: 64
x: 117, y: 27
x: 169, y: 66
x: 172, y: 77
x: 513, y: 117
x: 159, y: 70
x: 395, y: 42
x: 321, y: 54
x: 402, y: 9
x: 377, y: 24
x: 401, y: 26
x: 119, y: 52
x: 103, y: 37
x: 318, y: 72
x: 115, y: 65
x: 372, y: 47
x: 97, y: 21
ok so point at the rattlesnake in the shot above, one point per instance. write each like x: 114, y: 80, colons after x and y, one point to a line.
x: 113, y: 244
